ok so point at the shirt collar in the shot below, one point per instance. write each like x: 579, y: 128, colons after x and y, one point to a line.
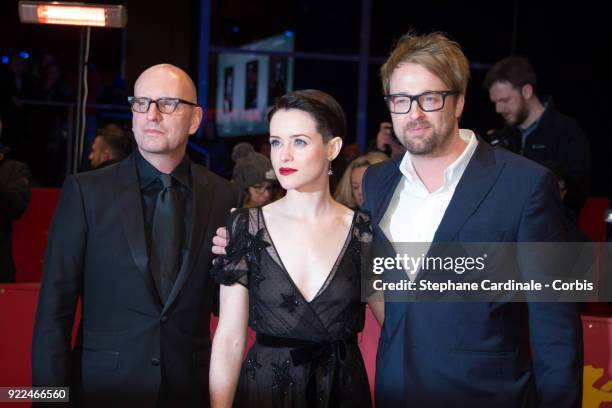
x: 148, y: 174
x: 454, y: 171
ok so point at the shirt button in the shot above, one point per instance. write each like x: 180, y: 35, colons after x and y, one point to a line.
x: 155, y: 361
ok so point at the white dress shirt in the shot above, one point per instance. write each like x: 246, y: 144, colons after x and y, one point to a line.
x: 414, y: 214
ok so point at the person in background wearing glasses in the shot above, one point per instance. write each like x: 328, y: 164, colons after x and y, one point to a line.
x: 536, y: 130
x: 132, y: 241
x: 253, y: 175
x: 450, y: 186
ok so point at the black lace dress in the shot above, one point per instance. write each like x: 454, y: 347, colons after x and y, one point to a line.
x: 306, y: 353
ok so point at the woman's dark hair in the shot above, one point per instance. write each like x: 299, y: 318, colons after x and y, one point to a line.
x: 324, y: 109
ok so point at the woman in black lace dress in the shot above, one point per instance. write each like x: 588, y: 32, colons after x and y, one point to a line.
x: 293, y: 273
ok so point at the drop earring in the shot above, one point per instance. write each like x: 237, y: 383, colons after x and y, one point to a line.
x: 330, y: 171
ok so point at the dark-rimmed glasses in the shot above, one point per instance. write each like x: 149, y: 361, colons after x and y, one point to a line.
x: 164, y: 105
x: 428, y: 101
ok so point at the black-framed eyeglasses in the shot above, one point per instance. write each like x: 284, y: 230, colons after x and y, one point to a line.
x: 164, y: 105
x: 428, y: 101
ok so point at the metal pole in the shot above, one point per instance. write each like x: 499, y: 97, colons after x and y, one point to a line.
x: 364, y: 57
x: 123, y: 67
x: 76, y: 139
x: 203, y: 58
x: 70, y: 141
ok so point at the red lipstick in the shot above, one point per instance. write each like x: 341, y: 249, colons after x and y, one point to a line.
x: 285, y: 171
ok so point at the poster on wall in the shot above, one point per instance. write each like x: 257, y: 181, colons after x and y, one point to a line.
x: 248, y: 84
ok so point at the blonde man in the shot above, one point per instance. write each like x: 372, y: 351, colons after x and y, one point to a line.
x: 450, y: 186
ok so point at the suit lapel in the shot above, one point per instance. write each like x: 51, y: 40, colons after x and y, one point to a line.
x: 477, y: 180
x: 202, y: 202
x: 387, y: 184
x: 391, y: 179
x: 129, y: 202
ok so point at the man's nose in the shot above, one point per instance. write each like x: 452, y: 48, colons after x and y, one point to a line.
x: 153, y: 114
x: 415, y: 111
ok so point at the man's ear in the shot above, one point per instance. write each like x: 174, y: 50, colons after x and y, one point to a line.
x: 333, y: 148
x: 527, y: 91
x: 459, y: 106
x: 196, y: 119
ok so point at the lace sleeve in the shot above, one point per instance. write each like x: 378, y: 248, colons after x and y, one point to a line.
x: 364, y: 235
x: 234, y: 266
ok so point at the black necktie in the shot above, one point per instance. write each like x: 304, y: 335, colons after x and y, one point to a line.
x: 166, y: 238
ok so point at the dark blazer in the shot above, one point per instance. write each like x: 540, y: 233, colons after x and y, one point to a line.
x: 557, y: 142
x: 126, y: 337
x: 440, y: 354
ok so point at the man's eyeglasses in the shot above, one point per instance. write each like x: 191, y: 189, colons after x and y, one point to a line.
x: 428, y: 101
x: 164, y: 105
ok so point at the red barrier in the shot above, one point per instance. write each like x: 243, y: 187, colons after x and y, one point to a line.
x: 368, y: 344
x: 17, y: 309
x: 30, y: 234
x: 591, y: 219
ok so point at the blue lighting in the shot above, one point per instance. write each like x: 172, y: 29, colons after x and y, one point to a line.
x: 24, y: 55
x: 5, y: 59
x: 198, y: 148
x: 235, y: 29
x: 288, y: 33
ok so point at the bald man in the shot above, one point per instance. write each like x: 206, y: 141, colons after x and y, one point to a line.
x: 143, y: 336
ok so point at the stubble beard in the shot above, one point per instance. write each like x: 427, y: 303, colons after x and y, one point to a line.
x: 428, y: 143
x: 521, y: 115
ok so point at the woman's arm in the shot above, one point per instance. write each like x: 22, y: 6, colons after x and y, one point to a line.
x: 228, y: 344
x: 378, y: 309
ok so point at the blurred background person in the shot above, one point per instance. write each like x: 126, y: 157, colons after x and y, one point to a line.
x: 536, y: 130
x: 111, y: 145
x: 15, y: 181
x: 387, y: 142
x: 348, y: 191
x: 265, y: 149
x: 253, y: 175
x: 348, y: 153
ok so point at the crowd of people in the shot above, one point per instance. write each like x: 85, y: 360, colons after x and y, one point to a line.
x: 37, y: 100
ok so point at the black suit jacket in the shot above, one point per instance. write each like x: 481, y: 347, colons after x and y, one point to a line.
x: 557, y: 142
x: 126, y: 339
x: 476, y: 354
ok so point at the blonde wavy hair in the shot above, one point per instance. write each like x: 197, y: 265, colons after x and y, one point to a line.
x: 344, y: 189
x: 436, y: 52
